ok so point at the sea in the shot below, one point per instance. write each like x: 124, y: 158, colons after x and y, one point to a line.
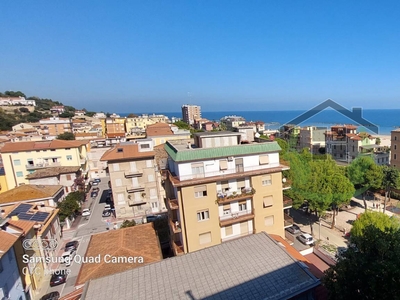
x: 385, y: 120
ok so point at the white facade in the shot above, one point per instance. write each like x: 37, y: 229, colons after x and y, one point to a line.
x: 4, y: 101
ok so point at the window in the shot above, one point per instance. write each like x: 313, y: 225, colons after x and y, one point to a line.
x: 224, y: 186
x: 20, y: 174
x: 67, y: 148
x: 116, y: 167
x: 149, y: 163
x: 268, y: 201
x: 137, y: 197
x: 69, y: 157
x: 133, y: 166
x: 239, y: 165
x: 200, y: 191
x: 17, y: 162
x: 223, y: 165
x: 154, y: 205
x: 203, y: 215
x: 53, y: 150
x: 120, y: 150
x: 68, y: 176
x: 395, y: 147
x: 264, y: 159
x: 135, y: 182
x: 205, y: 238
x: 266, y: 180
x: 241, y: 184
x: 228, y: 230
x: 144, y: 146
x: 118, y: 182
x: 244, y: 227
x: 395, y: 156
x: 121, y: 198
x: 269, y: 221
x: 227, y: 211
x: 153, y: 193
x: 198, y: 169
x: 150, y: 178
x: 242, y: 206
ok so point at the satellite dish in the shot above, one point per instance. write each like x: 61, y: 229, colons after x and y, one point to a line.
x: 257, y: 135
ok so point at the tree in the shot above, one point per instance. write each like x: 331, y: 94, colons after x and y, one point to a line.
x: 128, y: 223
x: 70, y: 205
x: 378, y: 141
x: 364, y: 174
x: 14, y: 94
x: 368, y: 269
x: 66, y: 136
x: 24, y: 110
x: 131, y: 115
x: 67, y: 114
x: 182, y: 125
x: 376, y: 219
x: 391, y: 179
x: 283, y: 144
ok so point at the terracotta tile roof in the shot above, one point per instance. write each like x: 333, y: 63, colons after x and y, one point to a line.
x: 125, y: 151
x: 353, y: 136
x: 158, y: 129
x: 7, y: 240
x: 29, y: 146
x: 24, y: 225
x: 137, y: 241
x: 29, y: 192
x: 75, y: 295
x: 116, y: 135
x: 53, y: 171
x: 83, y: 134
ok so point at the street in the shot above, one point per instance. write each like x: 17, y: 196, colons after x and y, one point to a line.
x: 86, y: 226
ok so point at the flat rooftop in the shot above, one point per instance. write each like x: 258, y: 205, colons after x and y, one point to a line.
x: 252, y: 267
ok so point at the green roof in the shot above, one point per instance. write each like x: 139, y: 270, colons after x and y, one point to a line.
x: 211, y: 153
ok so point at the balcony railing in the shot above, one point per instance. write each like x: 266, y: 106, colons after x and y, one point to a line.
x: 287, y: 202
x: 288, y: 220
x: 228, y: 172
x: 173, y: 203
x: 130, y: 174
x: 178, y: 248
x: 42, y: 165
x: 225, y: 197
x: 133, y: 189
x: 236, y: 217
x: 175, y: 226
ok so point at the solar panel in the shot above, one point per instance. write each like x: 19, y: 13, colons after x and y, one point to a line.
x: 22, y: 208
x: 24, y: 216
x: 40, y: 216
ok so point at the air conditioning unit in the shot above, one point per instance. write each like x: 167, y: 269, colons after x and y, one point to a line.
x: 230, y: 158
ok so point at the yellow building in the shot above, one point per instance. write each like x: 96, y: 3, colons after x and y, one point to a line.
x: 218, y: 189
x: 137, y: 125
x: 3, y: 181
x: 23, y: 158
x: 163, y: 132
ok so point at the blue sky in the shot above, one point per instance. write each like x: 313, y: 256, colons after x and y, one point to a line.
x: 145, y: 56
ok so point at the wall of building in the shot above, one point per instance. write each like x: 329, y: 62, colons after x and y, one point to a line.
x: 10, y: 280
x: 3, y: 184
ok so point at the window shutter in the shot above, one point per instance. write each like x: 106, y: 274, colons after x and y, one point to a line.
x: 223, y: 165
x: 264, y: 159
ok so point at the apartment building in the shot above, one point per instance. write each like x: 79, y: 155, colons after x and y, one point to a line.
x: 312, y: 138
x: 55, y: 125
x: 219, y: 189
x: 159, y: 133
x: 138, y: 125
x: 5, y: 101
x: 132, y: 170
x: 395, y: 148
x: 231, y: 122
x: 336, y: 141
x: 190, y: 113
x: 58, y: 109
x: 115, y: 128
x: 23, y: 158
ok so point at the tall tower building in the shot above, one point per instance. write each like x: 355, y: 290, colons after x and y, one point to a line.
x: 190, y: 113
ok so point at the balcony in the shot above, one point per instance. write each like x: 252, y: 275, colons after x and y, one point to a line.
x: 288, y: 220
x: 286, y: 183
x: 287, y: 202
x: 173, y: 204
x: 133, y: 189
x: 176, y: 227
x: 178, y: 248
x: 42, y: 165
x: 131, y: 174
x: 226, y: 197
x: 236, y: 217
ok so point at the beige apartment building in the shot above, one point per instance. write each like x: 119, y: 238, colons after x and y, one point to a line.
x: 395, y: 148
x: 23, y: 158
x: 135, y: 188
x: 137, y: 125
x: 191, y: 113
x: 312, y: 138
x: 54, y: 126
x: 219, y: 189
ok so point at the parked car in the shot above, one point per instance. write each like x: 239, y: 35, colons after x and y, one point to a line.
x: 51, y: 296
x: 67, y: 257
x: 94, y: 194
x: 58, y: 278
x: 107, y: 207
x: 306, y: 239
x: 94, y: 183
x: 293, y: 229
x: 72, y: 245
x: 86, y: 212
x: 97, y: 180
x: 96, y: 189
x: 106, y: 213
